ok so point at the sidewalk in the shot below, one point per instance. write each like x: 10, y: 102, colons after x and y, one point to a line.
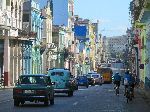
x: 145, y: 94
x: 6, y: 87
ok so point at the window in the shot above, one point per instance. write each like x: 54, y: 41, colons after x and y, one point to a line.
x: 33, y: 80
x: 7, y: 2
x: 1, y: 4
x: 16, y: 10
x: 25, y: 17
x: 57, y: 73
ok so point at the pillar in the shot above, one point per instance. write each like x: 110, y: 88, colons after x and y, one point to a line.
x: 6, y: 62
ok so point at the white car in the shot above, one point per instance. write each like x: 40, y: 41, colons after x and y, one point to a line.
x: 98, y: 79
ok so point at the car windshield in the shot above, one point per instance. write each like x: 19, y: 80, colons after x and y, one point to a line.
x: 33, y: 80
x: 82, y: 77
x: 57, y: 73
x: 95, y: 76
x: 88, y: 76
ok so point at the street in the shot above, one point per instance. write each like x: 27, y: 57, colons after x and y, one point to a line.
x: 94, y: 99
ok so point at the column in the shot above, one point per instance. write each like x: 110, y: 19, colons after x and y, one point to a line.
x: 6, y: 62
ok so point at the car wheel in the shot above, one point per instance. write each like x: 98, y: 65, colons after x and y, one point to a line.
x: 87, y: 86
x: 77, y: 88
x: 22, y: 102
x: 16, y: 102
x: 70, y: 93
x: 52, y: 101
x: 46, y: 102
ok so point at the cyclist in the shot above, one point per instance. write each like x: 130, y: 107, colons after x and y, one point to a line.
x: 117, y: 79
x: 132, y: 83
x: 129, y: 80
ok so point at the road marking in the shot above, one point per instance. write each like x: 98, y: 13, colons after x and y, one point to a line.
x: 75, y: 103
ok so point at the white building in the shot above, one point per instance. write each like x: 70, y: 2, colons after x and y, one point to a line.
x: 117, y: 43
x: 10, y: 27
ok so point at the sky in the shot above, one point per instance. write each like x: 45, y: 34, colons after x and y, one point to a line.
x: 113, y: 15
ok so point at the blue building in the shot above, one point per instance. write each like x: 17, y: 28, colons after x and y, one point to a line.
x: 32, y: 24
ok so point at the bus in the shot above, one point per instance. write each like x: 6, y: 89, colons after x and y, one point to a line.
x: 106, y: 73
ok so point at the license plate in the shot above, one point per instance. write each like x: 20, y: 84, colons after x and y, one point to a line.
x: 29, y: 91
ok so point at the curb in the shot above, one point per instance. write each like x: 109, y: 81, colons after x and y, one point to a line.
x: 6, y: 87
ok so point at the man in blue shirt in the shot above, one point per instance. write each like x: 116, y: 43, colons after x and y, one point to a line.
x: 129, y: 80
x: 117, y: 79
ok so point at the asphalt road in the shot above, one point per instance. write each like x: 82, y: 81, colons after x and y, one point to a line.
x: 92, y: 99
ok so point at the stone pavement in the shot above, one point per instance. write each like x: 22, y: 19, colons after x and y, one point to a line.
x: 145, y: 94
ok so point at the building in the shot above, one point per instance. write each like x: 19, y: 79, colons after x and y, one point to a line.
x: 47, y: 37
x: 63, y: 15
x: 140, y: 14
x: 32, y: 24
x: 11, y: 40
x: 86, y: 33
x: 117, y: 43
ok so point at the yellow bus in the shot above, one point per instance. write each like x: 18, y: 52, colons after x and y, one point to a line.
x: 106, y: 72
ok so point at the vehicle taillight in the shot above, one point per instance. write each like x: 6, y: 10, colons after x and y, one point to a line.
x: 40, y: 92
x: 18, y: 90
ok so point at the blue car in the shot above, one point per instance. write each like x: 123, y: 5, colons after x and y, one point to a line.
x: 83, y: 81
x: 63, y: 80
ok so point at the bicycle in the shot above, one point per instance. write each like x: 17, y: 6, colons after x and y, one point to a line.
x: 129, y: 94
x: 117, y: 90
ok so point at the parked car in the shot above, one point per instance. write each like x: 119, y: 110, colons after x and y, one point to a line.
x: 33, y: 88
x: 91, y: 80
x: 75, y: 82
x: 83, y: 81
x: 63, y: 80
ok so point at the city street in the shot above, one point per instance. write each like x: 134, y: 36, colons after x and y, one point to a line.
x: 94, y: 99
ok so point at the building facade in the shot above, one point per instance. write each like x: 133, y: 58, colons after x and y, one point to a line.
x: 140, y: 13
x: 33, y: 25
x: 63, y: 15
x: 47, y: 38
x: 11, y: 40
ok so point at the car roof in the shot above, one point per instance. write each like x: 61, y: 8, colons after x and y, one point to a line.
x: 59, y: 69
x: 34, y: 75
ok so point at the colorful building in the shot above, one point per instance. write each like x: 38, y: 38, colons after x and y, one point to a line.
x: 32, y: 23
x: 63, y: 15
x: 140, y: 13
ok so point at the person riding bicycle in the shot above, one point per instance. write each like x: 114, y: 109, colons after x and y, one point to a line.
x: 117, y: 79
x: 129, y: 80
